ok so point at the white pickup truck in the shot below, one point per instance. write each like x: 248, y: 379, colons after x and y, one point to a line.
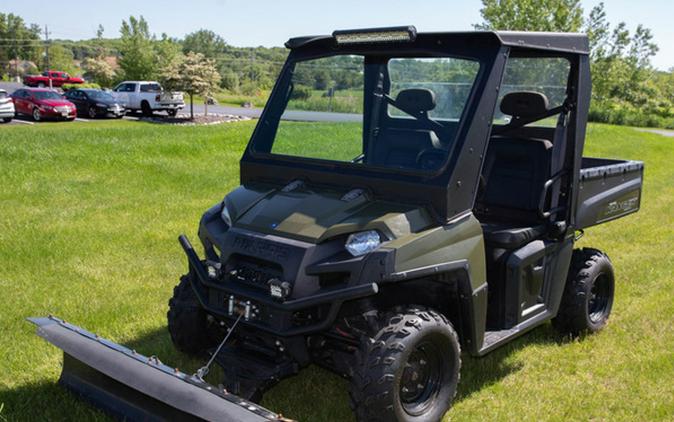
x: 148, y: 97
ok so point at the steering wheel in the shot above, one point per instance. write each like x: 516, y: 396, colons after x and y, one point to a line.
x: 431, y: 158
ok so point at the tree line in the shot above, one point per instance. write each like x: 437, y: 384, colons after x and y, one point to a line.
x: 626, y: 87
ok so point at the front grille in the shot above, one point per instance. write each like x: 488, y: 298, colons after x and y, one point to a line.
x: 252, y: 271
x: 62, y: 109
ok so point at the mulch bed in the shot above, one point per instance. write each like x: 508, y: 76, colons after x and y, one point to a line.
x: 199, y: 119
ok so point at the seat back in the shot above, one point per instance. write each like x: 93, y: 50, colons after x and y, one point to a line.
x: 401, y: 147
x: 513, y: 175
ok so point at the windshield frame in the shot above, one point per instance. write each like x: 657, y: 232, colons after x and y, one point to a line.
x: 276, y: 100
x: 444, y: 193
x: 99, y: 95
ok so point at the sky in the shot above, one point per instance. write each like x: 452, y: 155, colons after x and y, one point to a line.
x: 271, y: 23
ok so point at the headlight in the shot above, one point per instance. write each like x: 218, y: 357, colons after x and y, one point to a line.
x: 224, y: 214
x: 363, y: 242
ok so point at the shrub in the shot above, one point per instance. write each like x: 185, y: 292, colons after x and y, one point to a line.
x: 75, y: 86
x: 300, y: 92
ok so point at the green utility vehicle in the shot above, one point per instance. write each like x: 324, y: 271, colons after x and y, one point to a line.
x: 405, y: 197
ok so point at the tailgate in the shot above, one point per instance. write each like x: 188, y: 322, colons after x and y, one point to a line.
x: 171, y: 97
x: 608, y: 189
x: 136, y: 387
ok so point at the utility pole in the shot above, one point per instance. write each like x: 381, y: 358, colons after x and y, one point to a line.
x: 46, y: 48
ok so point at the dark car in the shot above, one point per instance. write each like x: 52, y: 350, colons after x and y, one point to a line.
x: 43, y: 103
x: 95, y: 102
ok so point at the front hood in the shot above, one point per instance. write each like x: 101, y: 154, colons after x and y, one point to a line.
x: 316, y: 215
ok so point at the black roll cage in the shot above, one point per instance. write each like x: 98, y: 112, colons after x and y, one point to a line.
x: 451, y: 190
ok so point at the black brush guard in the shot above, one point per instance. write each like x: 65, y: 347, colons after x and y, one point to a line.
x: 136, y: 387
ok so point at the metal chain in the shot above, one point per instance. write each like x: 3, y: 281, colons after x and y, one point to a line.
x: 203, y: 371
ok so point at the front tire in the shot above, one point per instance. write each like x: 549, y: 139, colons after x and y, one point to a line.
x: 588, y: 294
x: 189, y: 326
x: 36, y: 114
x: 409, y: 371
x: 92, y: 112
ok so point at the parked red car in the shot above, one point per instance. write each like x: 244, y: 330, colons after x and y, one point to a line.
x: 42, y: 103
x: 57, y: 79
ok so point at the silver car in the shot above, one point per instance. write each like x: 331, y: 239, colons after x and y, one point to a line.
x: 6, y: 107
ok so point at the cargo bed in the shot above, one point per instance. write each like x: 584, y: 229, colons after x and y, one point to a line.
x: 608, y: 189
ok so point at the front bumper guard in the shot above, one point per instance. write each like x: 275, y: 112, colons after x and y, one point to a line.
x: 333, y: 297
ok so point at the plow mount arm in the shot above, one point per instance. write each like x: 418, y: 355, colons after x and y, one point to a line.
x: 136, y: 387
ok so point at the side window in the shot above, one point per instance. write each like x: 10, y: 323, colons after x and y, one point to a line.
x: 547, y: 75
x: 45, y: 73
x: 150, y: 88
x: 126, y: 88
x: 450, y: 79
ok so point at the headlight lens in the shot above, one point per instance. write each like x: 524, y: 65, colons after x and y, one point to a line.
x: 363, y: 242
x: 224, y: 214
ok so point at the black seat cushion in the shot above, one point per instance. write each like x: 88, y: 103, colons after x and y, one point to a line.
x: 509, y: 236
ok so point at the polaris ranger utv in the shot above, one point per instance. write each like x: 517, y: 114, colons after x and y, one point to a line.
x: 438, y: 216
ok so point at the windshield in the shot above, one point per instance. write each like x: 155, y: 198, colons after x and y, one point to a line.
x: 100, y: 95
x: 391, y: 112
x: 46, y: 95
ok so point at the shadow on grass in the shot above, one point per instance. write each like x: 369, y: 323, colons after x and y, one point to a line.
x: 296, y: 397
x: 480, y: 372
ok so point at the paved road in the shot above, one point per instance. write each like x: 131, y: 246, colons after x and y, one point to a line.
x: 663, y: 132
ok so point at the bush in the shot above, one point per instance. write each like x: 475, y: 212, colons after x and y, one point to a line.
x: 624, y: 113
x: 75, y: 86
x: 300, y: 92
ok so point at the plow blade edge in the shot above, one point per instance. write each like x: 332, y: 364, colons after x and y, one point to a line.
x: 136, y: 387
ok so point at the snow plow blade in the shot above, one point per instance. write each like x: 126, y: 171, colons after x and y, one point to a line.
x: 136, y: 387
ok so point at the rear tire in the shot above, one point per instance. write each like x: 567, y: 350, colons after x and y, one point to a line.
x: 189, y: 325
x: 588, y: 295
x: 409, y: 371
x: 172, y: 113
x: 40, y: 85
x: 146, y: 109
x: 7, y: 119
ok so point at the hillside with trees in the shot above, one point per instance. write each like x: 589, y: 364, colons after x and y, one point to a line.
x: 626, y: 88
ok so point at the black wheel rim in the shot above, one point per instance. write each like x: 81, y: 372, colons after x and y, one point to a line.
x: 421, y: 378
x: 600, y: 298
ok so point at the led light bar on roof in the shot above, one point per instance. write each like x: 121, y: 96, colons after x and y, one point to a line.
x: 376, y: 35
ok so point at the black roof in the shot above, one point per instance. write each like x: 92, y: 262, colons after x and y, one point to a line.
x: 567, y: 42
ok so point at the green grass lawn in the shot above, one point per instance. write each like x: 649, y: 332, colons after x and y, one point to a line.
x: 90, y: 213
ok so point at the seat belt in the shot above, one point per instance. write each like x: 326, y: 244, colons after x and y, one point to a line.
x: 558, y: 156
